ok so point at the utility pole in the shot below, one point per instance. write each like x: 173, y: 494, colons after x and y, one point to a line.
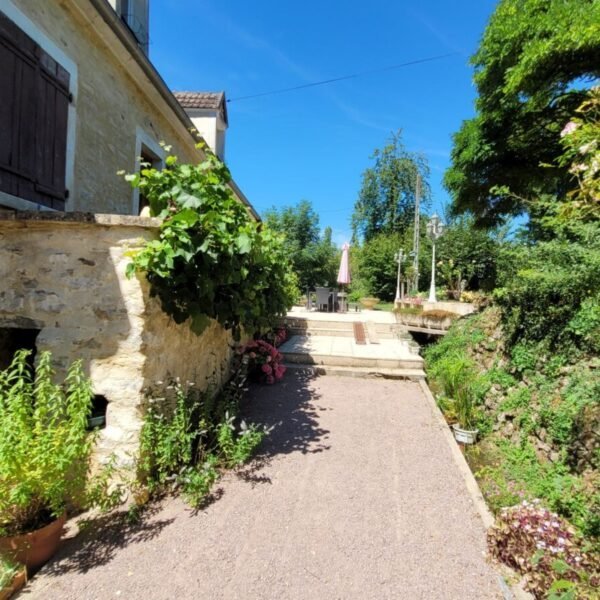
x: 399, y: 257
x: 416, y: 236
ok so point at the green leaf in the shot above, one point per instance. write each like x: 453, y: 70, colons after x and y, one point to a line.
x: 130, y: 270
x: 244, y: 243
x: 560, y: 566
x: 189, y: 200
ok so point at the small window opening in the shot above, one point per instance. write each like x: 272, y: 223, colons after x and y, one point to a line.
x: 148, y: 159
x: 97, y: 419
x: 16, y: 338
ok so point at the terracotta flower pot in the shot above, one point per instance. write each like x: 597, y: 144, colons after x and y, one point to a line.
x: 35, y: 548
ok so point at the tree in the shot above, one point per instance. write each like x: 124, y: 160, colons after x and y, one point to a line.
x: 469, y: 255
x: 314, y: 257
x: 386, y: 201
x: 378, y: 269
x: 532, y: 69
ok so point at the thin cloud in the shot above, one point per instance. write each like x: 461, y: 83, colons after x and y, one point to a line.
x: 437, y: 33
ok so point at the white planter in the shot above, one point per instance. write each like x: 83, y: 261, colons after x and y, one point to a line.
x: 465, y: 436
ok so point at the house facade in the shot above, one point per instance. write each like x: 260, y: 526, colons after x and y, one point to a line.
x: 79, y: 101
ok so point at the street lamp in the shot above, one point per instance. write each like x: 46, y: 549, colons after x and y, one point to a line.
x: 435, y: 228
x: 399, y: 257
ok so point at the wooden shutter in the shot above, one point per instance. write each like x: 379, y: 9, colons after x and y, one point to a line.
x: 34, y: 101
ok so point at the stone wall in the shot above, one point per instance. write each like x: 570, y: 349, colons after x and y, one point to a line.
x: 64, y: 273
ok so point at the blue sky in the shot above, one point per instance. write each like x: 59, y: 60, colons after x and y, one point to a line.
x: 315, y: 143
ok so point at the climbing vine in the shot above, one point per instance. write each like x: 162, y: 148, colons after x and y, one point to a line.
x: 211, y: 259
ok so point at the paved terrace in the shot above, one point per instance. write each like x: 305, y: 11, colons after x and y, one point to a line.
x: 357, y: 494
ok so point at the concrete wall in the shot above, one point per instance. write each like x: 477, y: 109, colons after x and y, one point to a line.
x: 65, y: 275
x: 111, y: 101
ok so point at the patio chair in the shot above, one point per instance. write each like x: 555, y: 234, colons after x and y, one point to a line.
x: 323, y: 295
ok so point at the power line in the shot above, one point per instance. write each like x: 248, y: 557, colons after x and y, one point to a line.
x: 344, y: 77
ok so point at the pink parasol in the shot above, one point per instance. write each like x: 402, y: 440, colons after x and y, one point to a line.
x: 344, y: 272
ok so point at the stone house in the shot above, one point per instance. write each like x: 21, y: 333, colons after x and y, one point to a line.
x: 79, y: 101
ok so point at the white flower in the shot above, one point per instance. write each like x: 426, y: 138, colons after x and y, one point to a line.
x: 570, y: 127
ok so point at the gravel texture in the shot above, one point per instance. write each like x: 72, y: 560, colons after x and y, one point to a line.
x: 355, y: 495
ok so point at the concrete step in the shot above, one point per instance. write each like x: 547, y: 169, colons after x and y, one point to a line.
x: 362, y: 372
x: 410, y: 362
x: 319, y: 324
x: 316, y: 331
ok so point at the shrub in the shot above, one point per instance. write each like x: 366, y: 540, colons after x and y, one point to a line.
x: 237, y: 447
x: 187, y: 438
x: 44, y: 446
x: 211, y: 260
x: 545, y: 549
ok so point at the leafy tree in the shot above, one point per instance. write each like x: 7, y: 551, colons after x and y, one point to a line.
x: 531, y: 71
x: 386, y: 201
x: 468, y: 254
x: 314, y: 257
x: 378, y: 269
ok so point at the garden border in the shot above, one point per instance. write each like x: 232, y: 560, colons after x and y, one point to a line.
x: 513, y: 591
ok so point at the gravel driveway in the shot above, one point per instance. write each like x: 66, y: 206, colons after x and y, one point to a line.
x: 355, y: 495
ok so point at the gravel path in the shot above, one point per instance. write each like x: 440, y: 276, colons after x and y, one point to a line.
x: 356, y: 495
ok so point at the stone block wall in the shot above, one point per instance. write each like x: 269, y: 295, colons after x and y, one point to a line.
x: 64, y: 274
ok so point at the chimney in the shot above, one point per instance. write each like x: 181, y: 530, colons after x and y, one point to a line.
x: 208, y: 113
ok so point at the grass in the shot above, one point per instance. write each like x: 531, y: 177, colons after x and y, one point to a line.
x: 384, y: 306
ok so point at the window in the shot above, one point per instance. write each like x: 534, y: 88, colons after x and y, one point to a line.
x: 34, y: 105
x: 149, y: 160
x: 135, y: 15
x: 147, y: 152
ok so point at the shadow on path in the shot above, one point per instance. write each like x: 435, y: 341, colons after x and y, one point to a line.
x: 100, y: 539
x: 289, y: 410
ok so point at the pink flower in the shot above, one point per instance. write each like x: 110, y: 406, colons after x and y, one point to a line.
x: 279, y: 372
x: 252, y: 354
x: 270, y: 379
x: 266, y: 369
x: 569, y: 128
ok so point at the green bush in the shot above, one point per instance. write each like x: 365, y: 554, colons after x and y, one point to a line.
x: 211, y: 260
x: 188, y: 437
x: 549, y: 294
x: 45, y: 447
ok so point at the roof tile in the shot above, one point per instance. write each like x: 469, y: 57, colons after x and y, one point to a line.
x: 210, y: 100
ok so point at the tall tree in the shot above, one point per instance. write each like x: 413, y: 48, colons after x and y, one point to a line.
x: 386, y: 201
x: 532, y: 68
x: 313, y: 255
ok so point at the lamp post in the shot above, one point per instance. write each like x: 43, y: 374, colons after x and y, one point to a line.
x: 399, y: 257
x: 435, y: 228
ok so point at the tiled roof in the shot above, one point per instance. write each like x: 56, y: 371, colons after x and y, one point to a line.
x: 210, y: 100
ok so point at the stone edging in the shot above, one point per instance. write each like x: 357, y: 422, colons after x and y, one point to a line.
x: 510, y: 592
x: 74, y: 218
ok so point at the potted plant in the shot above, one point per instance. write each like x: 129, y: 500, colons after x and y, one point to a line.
x: 369, y: 302
x: 44, y: 455
x: 457, y: 375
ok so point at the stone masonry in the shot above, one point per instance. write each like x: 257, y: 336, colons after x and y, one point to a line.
x: 64, y: 273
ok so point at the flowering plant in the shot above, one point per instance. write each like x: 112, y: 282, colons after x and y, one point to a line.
x: 264, y: 361
x: 544, y: 547
x: 277, y: 337
x: 580, y: 138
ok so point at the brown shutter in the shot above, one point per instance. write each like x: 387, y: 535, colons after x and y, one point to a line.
x: 34, y: 100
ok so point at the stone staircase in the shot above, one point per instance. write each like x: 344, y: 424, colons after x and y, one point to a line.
x: 329, y: 346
